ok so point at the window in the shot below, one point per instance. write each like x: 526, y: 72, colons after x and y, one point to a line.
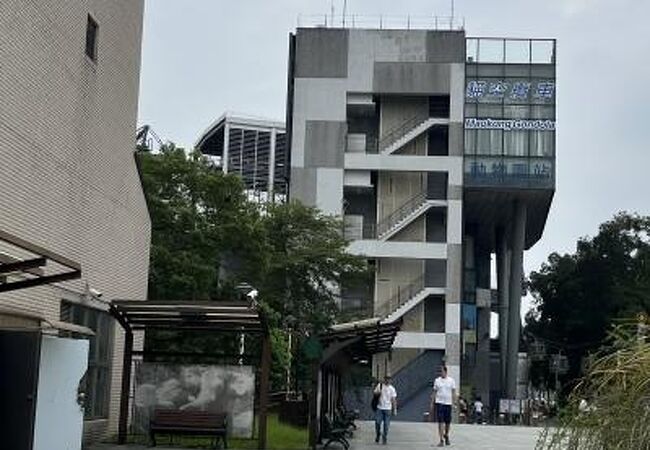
x: 489, y: 142
x: 91, y: 38
x: 97, y: 378
x: 516, y: 143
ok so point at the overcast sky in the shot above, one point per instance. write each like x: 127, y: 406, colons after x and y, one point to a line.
x: 203, y: 57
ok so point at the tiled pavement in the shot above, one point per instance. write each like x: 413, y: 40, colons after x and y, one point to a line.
x: 420, y: 436
x: 423, y: 436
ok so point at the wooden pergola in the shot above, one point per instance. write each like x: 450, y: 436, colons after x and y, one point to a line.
x: 208, y: 316
x: 40, y: 267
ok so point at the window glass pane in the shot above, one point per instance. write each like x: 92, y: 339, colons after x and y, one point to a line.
x: 516, y: 143
x: 516, y: 112
x: 542, y: 91
x: 491, y: 50
x: 489, y: 142
x: 469, y: 316
x: 490, y: 111
x: 470, y: 110
x: 519, y: 91
x: 542, y: 112
x: 542, y: 143
x: 517, y: 52
x: 543, y: 52
x: 516, y: 169
x: 472, y: 50
x: 470, y: 142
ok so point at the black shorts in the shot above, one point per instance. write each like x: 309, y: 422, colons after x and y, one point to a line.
x: 443, y: 413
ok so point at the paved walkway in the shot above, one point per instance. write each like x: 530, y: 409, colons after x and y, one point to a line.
x: 420, y: 436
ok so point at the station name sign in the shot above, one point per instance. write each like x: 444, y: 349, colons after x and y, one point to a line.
x: 510, y: 124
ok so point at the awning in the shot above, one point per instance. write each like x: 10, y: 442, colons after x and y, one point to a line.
x: 32, y: 265
x: 188, y: 315
x: 360, y: 339
x: 13, y: 318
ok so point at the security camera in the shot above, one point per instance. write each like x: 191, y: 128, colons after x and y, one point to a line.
x: 95, y: 292
x: 252, y: 294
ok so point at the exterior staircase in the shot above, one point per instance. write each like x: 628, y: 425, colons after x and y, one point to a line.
x: 406, y: 298
x: 405, y: 214
x: 405, y: 132
x: 414, y: 382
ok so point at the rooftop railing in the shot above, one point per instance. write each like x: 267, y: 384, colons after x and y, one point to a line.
x: 511, y: 51
x: 381, y: 22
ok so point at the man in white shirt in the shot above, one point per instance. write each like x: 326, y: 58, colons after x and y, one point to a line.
x: 444, y: 395
x: 478, y: 411
x: 386, y: 406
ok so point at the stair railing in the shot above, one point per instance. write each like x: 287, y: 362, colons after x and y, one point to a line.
x: 412, y: 204
x: 392, y: 135
x: 403, y: 295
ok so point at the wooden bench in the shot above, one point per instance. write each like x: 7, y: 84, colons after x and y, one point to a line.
x: 198, y: 423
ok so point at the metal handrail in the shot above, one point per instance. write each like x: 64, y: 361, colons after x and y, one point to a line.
x: 386, y: 22
x: 400, y: 213
x: 395, y: 133
x: 404, y: 294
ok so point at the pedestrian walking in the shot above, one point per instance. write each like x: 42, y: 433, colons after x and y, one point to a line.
x: 442, y: 399
x: 386, y: 396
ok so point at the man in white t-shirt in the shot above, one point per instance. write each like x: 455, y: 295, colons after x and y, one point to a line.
x: 386, y: 406
x: 443, y: 397
x: 478, y: 411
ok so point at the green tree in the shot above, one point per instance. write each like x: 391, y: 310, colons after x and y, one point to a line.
x: 197, y: 215
x: 207, y: 238
x: 579, y: 296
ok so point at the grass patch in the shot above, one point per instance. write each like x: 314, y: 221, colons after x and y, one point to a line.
x: 280, y: 436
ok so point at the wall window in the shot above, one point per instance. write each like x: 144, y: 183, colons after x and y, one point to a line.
x: 542, y: 143
x: 516, y: 143
x: 97, y: 379
x: 91, y: 38
x: 489, y: 142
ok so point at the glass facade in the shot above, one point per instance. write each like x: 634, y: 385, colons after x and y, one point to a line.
x: 510, y: 113
x: 96, y: 381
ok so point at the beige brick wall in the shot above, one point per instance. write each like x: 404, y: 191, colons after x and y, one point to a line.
x: 67, y: 174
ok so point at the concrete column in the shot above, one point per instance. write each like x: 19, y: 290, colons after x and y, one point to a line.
x: 503, y: 277
x: 514, y: 314
x: 226, y: 146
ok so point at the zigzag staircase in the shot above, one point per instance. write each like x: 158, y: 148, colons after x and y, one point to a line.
x: 404, y: 300
x: 413, y: 383
x: 405, y: 132
x: 405, y: 214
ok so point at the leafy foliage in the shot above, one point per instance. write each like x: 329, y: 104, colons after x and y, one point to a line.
x: 578, y: 296
x: 615, y: 397
x: 207, y: 237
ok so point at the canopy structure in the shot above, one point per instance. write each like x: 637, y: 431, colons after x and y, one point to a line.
x: 208, y: 316
x: 29, y: 265
x: 360, y: 339
x: 344, y: 344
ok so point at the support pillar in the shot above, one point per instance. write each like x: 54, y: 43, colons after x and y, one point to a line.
x: 127, y: 360
x: 264, y: 390
x: 514, y: 314
x: 503, y: 278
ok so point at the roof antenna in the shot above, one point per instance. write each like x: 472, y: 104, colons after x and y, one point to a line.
x: 451, y: 21
x: 332, y: 12
x: 345, y: 7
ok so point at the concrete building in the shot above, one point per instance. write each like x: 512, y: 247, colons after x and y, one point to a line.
x: 68, y: 94
x: 252, y: 147
x: 438, y: 152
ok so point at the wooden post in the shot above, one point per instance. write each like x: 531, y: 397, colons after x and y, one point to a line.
x: 126, y: 384
x: 264, y: 389
x: 313, y: 405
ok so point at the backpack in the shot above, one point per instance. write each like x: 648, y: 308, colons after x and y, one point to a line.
x: 374, y: 403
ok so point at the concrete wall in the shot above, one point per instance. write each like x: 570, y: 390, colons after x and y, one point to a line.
x: 401, y: 69
x: 67, y: 127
